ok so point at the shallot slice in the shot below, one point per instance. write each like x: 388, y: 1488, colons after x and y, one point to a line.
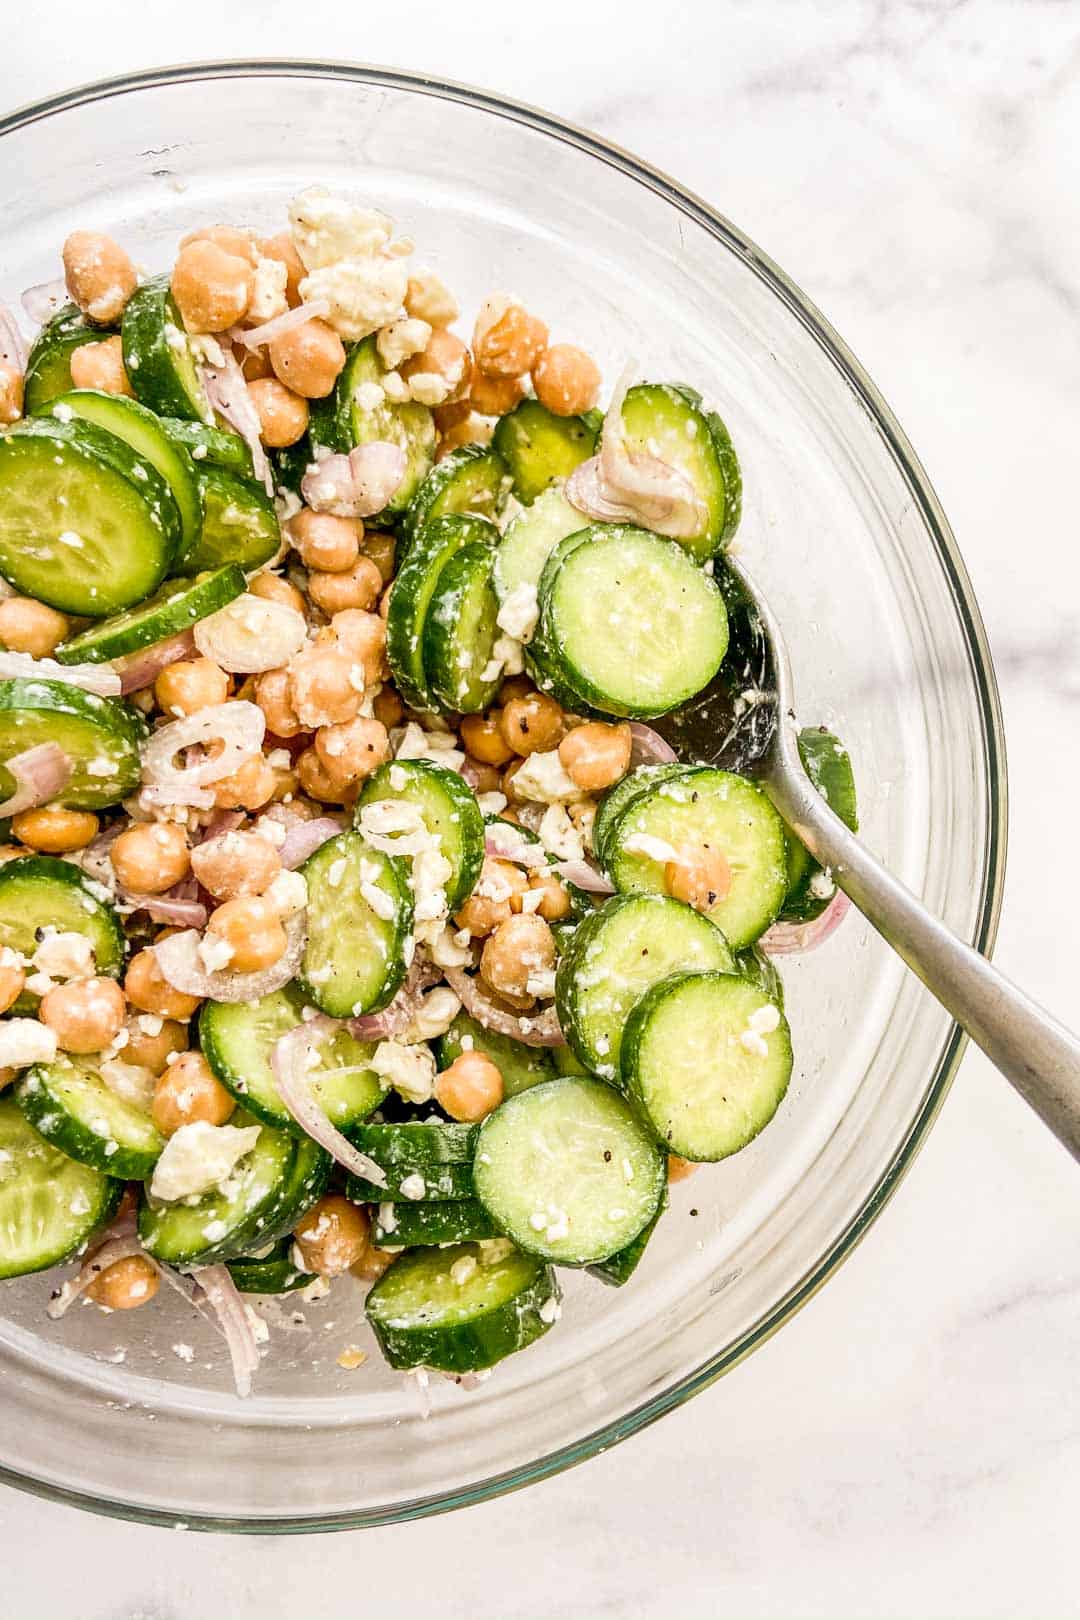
x: 357, y: 485
x: 239, y: 725
x: 304, y: 838
x: 251, y: 634
x: 583, y: 876
x: 42, y: 301
x: 269, y: 332
x: 532, y: 1029
x: 648, y: 747
x: 40, y: 772
x: 177, y: 912
x: 503, y: 841
x: 13, y: 350
x: 397, y: 1017
x: 97, y: 678
x: 784, y: 939
x: 141, y: 669
x: 180, y: 963
x: 289, y: 1060
x: 224, y: 1299
x: 227, y: 390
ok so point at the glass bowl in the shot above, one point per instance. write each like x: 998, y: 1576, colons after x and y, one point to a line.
x: 845, y: 532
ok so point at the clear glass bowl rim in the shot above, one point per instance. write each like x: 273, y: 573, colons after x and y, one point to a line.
x: 968, y: 614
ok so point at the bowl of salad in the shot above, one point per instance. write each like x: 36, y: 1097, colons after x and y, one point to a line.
x: 420, y: 1064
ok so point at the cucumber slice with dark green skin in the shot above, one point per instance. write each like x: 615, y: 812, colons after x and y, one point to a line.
x: 354, y: 420
x: 239, y: 525
x: 619, y: 1268
x: 405, y: 1226
x: 440, y: 1183
x: 663, y: 421
x: 732, y: 476
x: 761, y: 971
x: 178, y: 605
x: 354, y: 960
x: 73, y: 1108
x: 237, y: 1040
x: 617, y: 799
x: 520, y: 1066
x: 158, y: 357
x: 100, y: 736
x: 86, y: 524
x: 828, y: 765
x: 291, y: 463
x: 416, y: 1148
x: 222, y: 1225
x: 540, y: 448
x: 568, y: 1172
x: 48, y: 368
x: 212, y: 446
x: 708, y: 808
x: 531, y: 538
x: 49, y: 1204
x: 460, y: 634
x: 307, y: 1180
x: 707, y: 1056
x: 273, y: 1274
x: 629, y: 622
x: 616, y: 954
x: 448, y: 809
x: 435, y: 1309
x: 473, y: 480
x: 411, y: 594
x: 42, y: 892
x: 142, y: 430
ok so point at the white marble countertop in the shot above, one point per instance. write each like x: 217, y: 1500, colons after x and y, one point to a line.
x: 909, y: 1446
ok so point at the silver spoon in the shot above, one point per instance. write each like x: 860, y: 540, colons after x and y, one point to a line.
x: 751, y: 707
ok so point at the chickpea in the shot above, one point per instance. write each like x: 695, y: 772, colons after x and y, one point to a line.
x: 679, y: 1169
x: 234, y: 864
x: 12, y: 980
x: 470, y: 1088
x: 326, y: 543
x: 372, y: 1264
x: 11, y: 394
x: 323, y: 687
x: 101, y: 366
x: 699, y: 877
x: 189, y: 1092
x: 361, y: 637
x: 566, y: 379
x: 30, y: 627
x: 272, y: 588
x: 248, y: 788
x: 483, y: 778
x: 272, y: 696
x: 481, y: 736
x: 212, y: 287
x: 99, y: 275
x: 358, y: 587
x: 507, y: 340
x: 190, y: 685
x: 447, y: 360
x: 152, y: 1047
x: 286, y: 784
x: 516, y: 953
x: 53, y: 830
x: 255, y: 365
x: 531, y: 725
x: 354, y: 750
x: 384, y: 602
x: 151, y: 856
x: 492, y: 396
x: 281, y: 248
x: 451, y: 415
x: 126, y: 1283
x: 283, y: 415
x: 7, y: 1076
x: 252, y: 927
x: 491, y: 902
x: 388, y: 707
x: 318, y: 783
x: 84, y: 1014
x: 308, y: 359
x: 555, y: 901
x: 428, y: 298
x: 230, y: 238
x: 380, y: 546
x: 595, y: 755
x: 333, y: 1235
x: 147, y: 988
x: 516, y: 686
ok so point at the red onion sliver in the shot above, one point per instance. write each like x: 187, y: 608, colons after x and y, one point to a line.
x: 118, y: 1242
x: 141, y: 669
x: 40, y: 772
x: 224, y: 1299
x: 304, y: 838
x: 396, y: 1018
x: 97, y: 678
x: 227, y: 390
x: 505, y: 843
x: 179, y: 961
x: 271, y: 330
x: 288, y: 1060
x: 176, y: 912
x: 649, y: 748
x: 42, y: 301
x: 784, y: 939
x: 583, y: 876
x: 356, y: 485
x: 532, y: 1029
x: 13, y: 349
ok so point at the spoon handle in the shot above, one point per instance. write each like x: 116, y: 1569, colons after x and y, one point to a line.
x: 1038, y: 1055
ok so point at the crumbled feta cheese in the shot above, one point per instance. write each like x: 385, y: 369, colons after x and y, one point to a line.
x: 214, y: 952
x: 200, y: 1156
x: 657, y: 849
x: 434, y: 1015
x: 492, y: 804
x: 395, y: 388
x: 270, y: 829
x: 388, y: 1218
x: 410, y: 1070
x: 541, y: 983
x: 519, y: 612
x: 287, y: 893
x: 363, y: 294
x: 327, y: 228
x: 550, y: 1310
x: 129, y: 1081
x: 401, y: 339
x: 558, y: 834
x: 413, y: 742
x: 414, y: 1187
x: 24, y: 1041
x: 65, y: 955
x: 429, y: 299
x: 464, y: 1269
x: 544, y: 779
x: 430, y: 388
x: 822, y: 886
x: 508, y: 652
x: 268, y: 296
x: 205, y: 347
x: 184, y: 1351
x: 448, y: 950
x: 754, y: 1043
x: 381, y: 903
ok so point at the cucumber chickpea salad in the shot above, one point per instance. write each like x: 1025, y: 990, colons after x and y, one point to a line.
x: 353, y: 917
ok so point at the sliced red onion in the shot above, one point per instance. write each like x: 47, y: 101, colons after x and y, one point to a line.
x: 532, y: 1029
x: 357, y: 485
x: 40, y: 773
x: 222, y: 821
x: 289, y: 1061
x: 240, y: 726
x: 153, y: 797
x: 255, y: 336
x: 224, y: 1299
x: 227, y: 390
x: 250, y: 635
x: 42, y: 301
x: 583, y: 876
x: 96, y: 678
x: 141, y: 669
x: 305, y: 837
x: 181, y: 913
x: 180, y: 963
x: 784, y: 939
x: 504, y: 842
x: 649, y: 748
x: 396, y: 1018
x: 13, y: 349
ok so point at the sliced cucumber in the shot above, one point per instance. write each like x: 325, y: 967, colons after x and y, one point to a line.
x: 531, y: 538
x: 632, y: 787
x: 708, y: 1058
x: 567, y: 1061
x: 273, y: 1273
x: 239, y: 523
x: 48, y: 368
x: 459, y: 1309
x: 354, y: 960
x: 540, y: 448
x: 211, y: 446
x: 41, y: 893
x: 141, y: 429
x: 828, y: 765
x: 405, y: 1226
x: 410, y: 598
x: 158, y: 357
x: 307, y: 1180
x: 361, y: 413
x: 619, y: 1268
x: 732, y: 476
x: 100, y: 736
x: 663, y: 421
x: 616, y: 954
x: 448, y: 808
x: 423, y: 1159
x: 291, y: 463
x: 520, y: 1066
x: 238, y: 1037
x: 175, y: 607
x: 461, y: 632
x: 438, y: 1184
x: 472, y: 480
x: 761, y: 971
x: 49, y: 1205
x: 73, y: 1108
x: 86, y: 524
x: 629, y: 622
x: 568, y: 1172
x: 710, y: 809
